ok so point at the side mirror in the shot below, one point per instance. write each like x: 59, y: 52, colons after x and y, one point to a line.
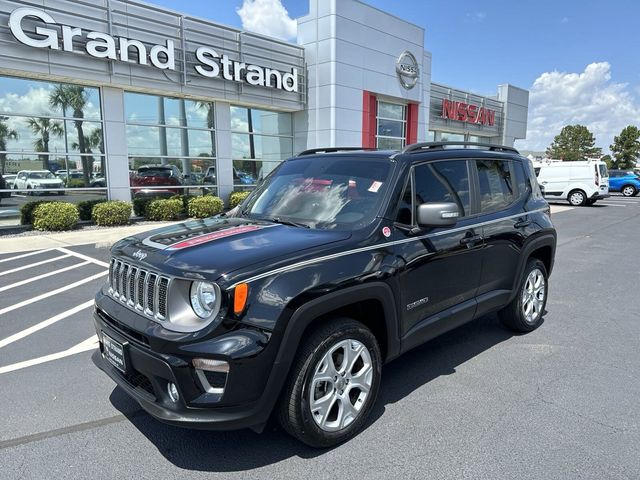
x: 438, y: 214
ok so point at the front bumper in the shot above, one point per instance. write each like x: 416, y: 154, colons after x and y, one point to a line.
x: 247, y: 401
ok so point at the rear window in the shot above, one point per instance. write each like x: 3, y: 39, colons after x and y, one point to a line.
x: 154, y: 172
x: 603, y: 170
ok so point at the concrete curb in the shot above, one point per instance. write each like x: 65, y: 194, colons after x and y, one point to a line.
x: 103, y: 237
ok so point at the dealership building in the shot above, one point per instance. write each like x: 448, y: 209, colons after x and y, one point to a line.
x: 107, y: 86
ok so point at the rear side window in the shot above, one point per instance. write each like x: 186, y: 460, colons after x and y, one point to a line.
x: 497, y: 186
x: 603, y: 170
x: 446, y: 181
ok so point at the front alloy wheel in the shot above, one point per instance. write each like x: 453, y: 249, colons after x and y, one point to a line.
x: 333, y: 384
x: 340, y: 385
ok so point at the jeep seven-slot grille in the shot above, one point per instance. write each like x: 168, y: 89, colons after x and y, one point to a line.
x: 140, y: 289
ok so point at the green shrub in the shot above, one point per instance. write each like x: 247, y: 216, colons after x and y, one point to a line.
x: 205, y: 206
x: 26, y: 211
x: 75, y: 183
x: 140, y: 205
x: 185, y: 199
x: 111, y: 213
x: 85, y: 208
x: 236, y: 198
x: 164, y: 210
x: 54, y: 216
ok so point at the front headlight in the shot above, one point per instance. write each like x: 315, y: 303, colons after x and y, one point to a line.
x: 205, y: 298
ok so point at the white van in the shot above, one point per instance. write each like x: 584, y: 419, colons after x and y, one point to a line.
x: 580, y: 183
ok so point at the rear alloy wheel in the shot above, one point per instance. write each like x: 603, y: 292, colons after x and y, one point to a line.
x: 577, y: 198
x: 334, y: 384
x: 525, y: 311
x: 629, y: 191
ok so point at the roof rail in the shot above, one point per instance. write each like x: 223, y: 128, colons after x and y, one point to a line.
x: 312, y: 151
x: 416, y: 147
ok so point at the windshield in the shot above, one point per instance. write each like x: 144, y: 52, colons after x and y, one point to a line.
x: 41, y: 175
x: 327, y: 193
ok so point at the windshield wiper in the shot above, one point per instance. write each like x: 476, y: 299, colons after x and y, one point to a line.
x: 288, y: 222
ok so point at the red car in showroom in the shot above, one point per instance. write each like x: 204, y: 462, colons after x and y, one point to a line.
x: 149, y: 177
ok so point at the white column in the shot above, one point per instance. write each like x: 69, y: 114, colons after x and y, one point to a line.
x: 224, y: 168
x: 115, y: 143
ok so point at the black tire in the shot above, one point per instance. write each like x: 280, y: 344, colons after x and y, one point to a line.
x: 629, y: 191
x: 294, y: 410
x: 577, y: 198
x: 513, y: 315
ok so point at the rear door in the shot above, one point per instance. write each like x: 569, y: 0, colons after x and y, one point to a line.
x: 503, y: 188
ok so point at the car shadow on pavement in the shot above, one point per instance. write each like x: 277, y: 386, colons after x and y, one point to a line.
x: 245, y: 450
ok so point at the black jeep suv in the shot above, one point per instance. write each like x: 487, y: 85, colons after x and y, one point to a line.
x: 339, y: 261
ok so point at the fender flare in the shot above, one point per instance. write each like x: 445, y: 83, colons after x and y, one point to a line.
x: 545, y: 240
x: 307, y: 313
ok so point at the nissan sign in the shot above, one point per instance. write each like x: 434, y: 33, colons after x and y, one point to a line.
x: 407, y: 69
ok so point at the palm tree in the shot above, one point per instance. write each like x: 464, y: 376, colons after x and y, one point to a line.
x: 208, y: 108
x: 45, y: 127
x: 75, y: 98
x: 93, y: 142
x: 6, y: 133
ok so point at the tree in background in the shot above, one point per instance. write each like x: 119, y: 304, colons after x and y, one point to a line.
x: 6, y: 133
x: 575, y: 142
x: 45, y: 128
x: 626, y: 147
x: 74, y: 98
x: 608, y: 160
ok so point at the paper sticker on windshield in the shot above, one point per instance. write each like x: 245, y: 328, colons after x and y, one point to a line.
x: 375, y: 186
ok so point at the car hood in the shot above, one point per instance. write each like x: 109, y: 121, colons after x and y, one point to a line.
x: 46, y: 181
x: 214, y: 247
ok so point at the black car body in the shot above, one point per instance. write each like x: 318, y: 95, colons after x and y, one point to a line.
x: 404, y: 282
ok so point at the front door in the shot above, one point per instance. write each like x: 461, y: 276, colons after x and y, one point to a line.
x: 440, y: 266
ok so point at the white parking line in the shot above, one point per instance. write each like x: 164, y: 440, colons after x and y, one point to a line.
x: 52, y: 292
x: 25, y: 255
x: 89, y: 344
x: 44, y: 275
x: 31, y: 265
x: 83, y: 257
x: 45, y: 323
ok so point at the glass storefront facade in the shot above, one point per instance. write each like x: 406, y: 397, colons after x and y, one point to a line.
x: 165, y: 131
x: 260, y: 140
x: 51, y: 143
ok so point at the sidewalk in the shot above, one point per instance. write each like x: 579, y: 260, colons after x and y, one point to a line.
x: 103, y: 236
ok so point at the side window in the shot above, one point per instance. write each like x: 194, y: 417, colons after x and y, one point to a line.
x: 446, y: 181
x: 497, y: 189
x: 522, y: 181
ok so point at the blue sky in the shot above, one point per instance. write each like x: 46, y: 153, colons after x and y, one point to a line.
x: 478, y: 45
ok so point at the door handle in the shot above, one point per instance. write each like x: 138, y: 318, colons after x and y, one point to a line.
x: 522, y: 224
x: 472, y: 240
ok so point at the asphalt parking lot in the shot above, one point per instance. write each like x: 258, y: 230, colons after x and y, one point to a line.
x: 561, y: 402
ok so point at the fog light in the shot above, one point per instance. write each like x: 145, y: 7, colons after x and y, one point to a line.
x: 172, y: 390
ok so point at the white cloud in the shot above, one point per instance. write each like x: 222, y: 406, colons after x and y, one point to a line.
x: 476, y: 16
x: 588, y: 98
x: 268, y: 17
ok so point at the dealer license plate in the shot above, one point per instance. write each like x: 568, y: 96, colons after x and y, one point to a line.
x: 114, y: 352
